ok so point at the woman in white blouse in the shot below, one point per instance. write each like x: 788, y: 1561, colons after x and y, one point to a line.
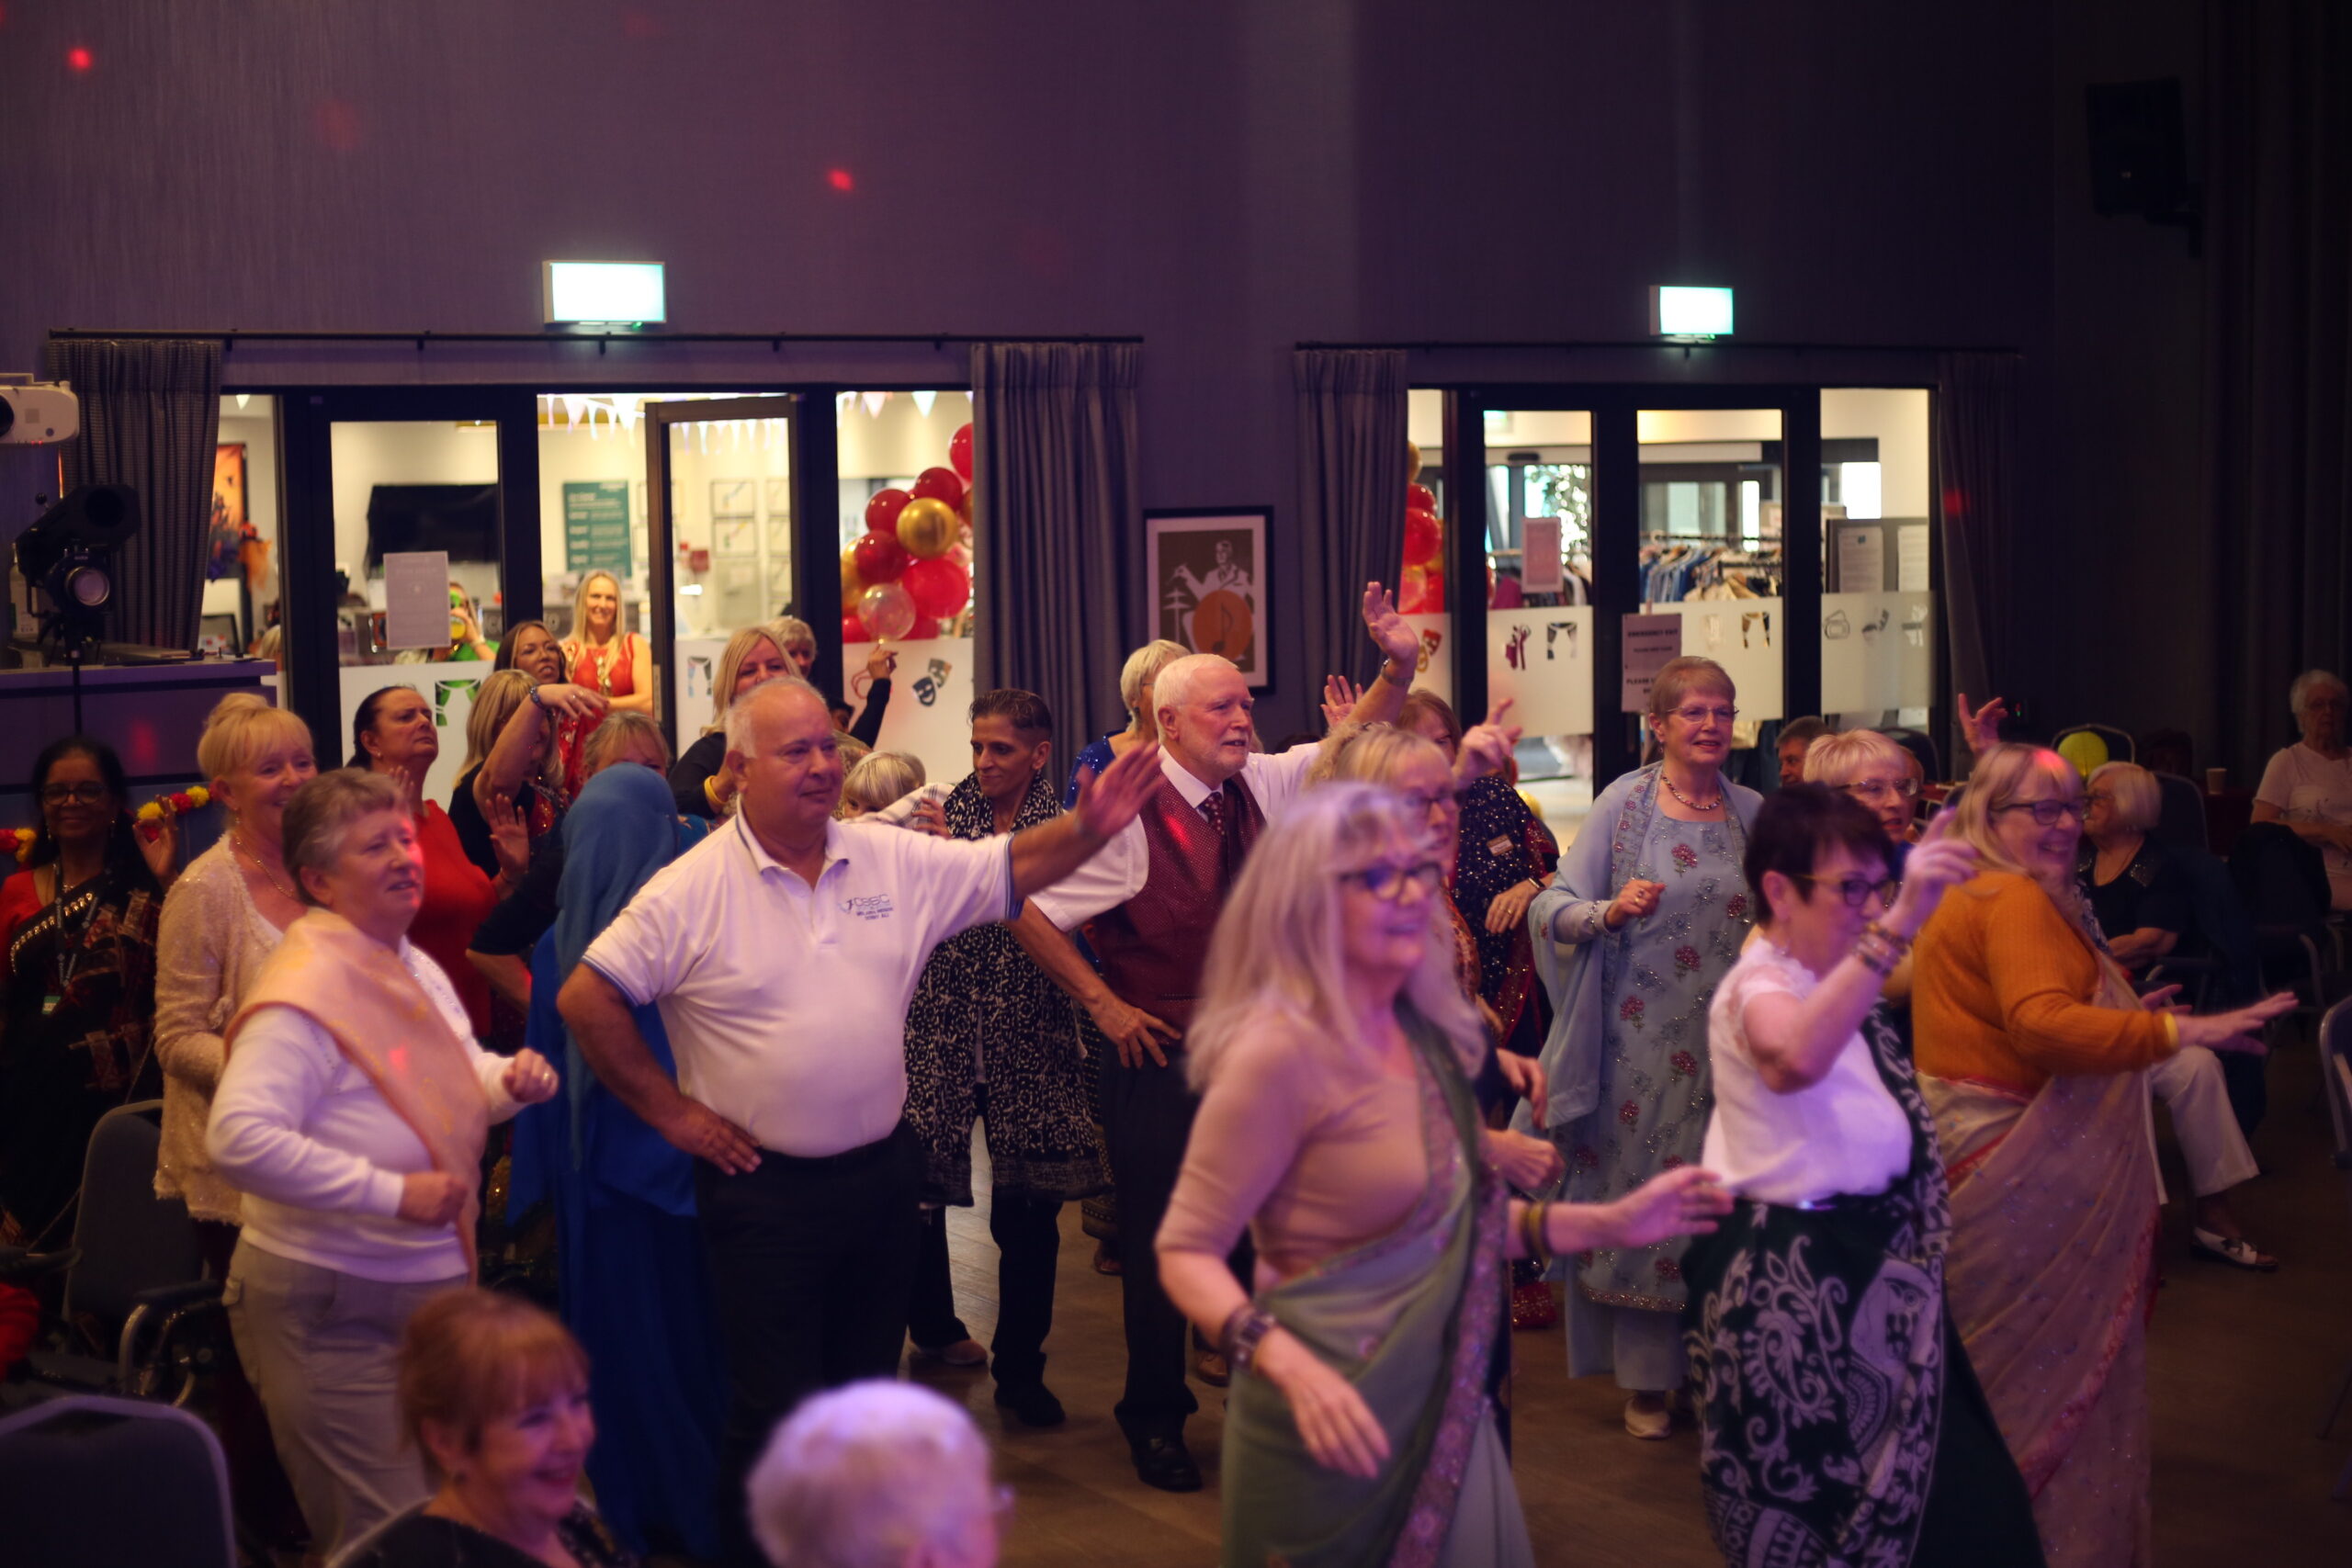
x: 2308, y: 786
x: 1839, y: 1419
x: 351, y: 1113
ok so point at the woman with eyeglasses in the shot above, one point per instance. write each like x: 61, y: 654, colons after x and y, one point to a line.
x: 1829, y: 1273
x: 1644, y: 918
x: 80, y: 925
x: 1872, y: 768
x: 2033, y: 1054
x: 1333, y: 1052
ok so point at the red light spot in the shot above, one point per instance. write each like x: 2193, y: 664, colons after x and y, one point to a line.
x: 338, y: 125
x: 840, y: 179
x: 80, y: 58
x: 641, y: 25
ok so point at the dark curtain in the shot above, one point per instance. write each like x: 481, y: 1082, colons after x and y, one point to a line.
x: 1056, y: 528
x: 151, y: 418
x: 1976, y: 465
x: 2277, y: 356
x: 1352, y: 462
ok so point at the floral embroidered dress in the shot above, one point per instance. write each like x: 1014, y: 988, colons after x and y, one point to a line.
x: 1627, y: 1055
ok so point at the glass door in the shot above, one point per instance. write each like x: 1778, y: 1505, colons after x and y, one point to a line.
x: 415, y: 546
x: 719, y: 477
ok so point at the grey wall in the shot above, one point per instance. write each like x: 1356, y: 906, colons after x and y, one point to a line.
x: 1224, y: 178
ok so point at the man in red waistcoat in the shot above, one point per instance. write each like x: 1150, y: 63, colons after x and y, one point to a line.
x: 1152, y: 898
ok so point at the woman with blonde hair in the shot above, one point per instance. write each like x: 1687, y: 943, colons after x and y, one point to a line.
x: 881, y: 663
x: 2032, y: 1053
x: 1135, y: 679
x: 499, y: 839
x: 1646, y: 915
x: 1878, y: 773
x: 1333, y: 1052
x: 879, y: 779
x: 599, y: 656
x: 699, y: 778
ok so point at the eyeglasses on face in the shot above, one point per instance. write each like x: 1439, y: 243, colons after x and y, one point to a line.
x: 1389, y: 882
x: 1879, y: 789
x: 1858, y: 891
x: 1702, y: 715
x: 1426, y: 800
x: 2047, y: 813
x: 86, y: 793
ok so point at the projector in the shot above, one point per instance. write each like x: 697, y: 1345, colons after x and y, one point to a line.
x: 34, y: 413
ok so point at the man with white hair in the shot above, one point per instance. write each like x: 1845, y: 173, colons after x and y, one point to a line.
x: 1152, y: 898
x: 877, y: 1476
x: 781, y: 952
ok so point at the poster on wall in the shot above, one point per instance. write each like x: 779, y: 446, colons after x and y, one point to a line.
x: 596, y: 535
x: 1208, y: 572
x: 733, y: 498
x: 230, y: 527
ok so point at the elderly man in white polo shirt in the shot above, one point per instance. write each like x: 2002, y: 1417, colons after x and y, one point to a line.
x: 781, y: 952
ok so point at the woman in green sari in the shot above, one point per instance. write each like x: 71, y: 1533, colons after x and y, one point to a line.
x: 1333, y: 1052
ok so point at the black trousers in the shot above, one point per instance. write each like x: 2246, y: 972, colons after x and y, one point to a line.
x: 811, y: 1265
x: 1978, y: 1511
x: 1028, y: 1236
x: 1147, y: 1118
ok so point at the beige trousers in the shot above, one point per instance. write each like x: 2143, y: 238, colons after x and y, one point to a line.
x: 320, y: 1347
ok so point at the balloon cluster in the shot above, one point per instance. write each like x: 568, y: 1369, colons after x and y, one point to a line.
x: 1420, y: 586
x: 912, y: 569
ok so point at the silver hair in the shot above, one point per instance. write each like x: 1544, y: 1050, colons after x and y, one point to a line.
x: 320, y: 816
x: 738, y: 713
x: 862, y: 1476
x: 2310, y: 680
x: 1173, y: 688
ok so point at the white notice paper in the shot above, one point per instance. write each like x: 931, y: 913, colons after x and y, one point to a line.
x: 1861, y: 560
x: 1651, y: 643
x: 1539, y: 561
x: 1911, y: 557
x: 416, y: 599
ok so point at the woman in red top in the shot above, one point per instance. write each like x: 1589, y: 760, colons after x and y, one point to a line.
x: 393, y: 733
x: 615, y: 664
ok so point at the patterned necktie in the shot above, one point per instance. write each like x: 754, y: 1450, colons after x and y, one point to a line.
x: 1223, y: 812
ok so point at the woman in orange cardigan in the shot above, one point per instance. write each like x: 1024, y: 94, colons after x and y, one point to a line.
x: 2031, y: 1051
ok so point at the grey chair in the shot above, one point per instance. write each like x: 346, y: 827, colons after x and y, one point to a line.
x: 138, y: 1273
x: 2336, y: 1069
x: 2181, y: 822
x: 93, y: 1482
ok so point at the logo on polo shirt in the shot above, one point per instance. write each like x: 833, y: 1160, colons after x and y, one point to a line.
x: 875, y: 906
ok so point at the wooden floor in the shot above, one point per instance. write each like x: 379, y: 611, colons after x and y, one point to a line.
x: 2241, y: 1367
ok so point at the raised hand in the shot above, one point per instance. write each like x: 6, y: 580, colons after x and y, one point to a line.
x: 510, y: 836
x: 1636, y: 900
x: 1107, y: 803
x: 1940, y: 861
x: 1339, y: 698
x: 1395, y: 636
x: 1487, y: 748
x: 1981, y: 726
x: 882, y: 663
x: 565, y: 700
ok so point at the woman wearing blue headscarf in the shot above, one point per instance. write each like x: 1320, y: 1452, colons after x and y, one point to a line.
x: 628, y: 1258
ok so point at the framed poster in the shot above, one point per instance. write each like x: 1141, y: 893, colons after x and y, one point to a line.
x: 735, y: 535
x: 596, y: 530
x: 779, y: 499
x: 1208, y: 572
x: 229, y: 526
x: 733, y: 498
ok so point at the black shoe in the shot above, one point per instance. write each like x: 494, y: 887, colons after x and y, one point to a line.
x: 1162, y: 1461
x: 1031, y: 1404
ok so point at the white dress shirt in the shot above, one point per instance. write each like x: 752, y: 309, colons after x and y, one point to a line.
x: 321, y: 1155
x: 1844, y: 1134
x: 786, y: 1004
x: 1117, y: 873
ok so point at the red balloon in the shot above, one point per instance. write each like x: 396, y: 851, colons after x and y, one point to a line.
x: 880, y: 559
x: 940, y: 484
x: 925, y: 628
x: 854, y: 629
x: 960, y: 452
x: 1421, y: 592
x: 1422, y: 539
x: 939, y: 587
x: 1421, y: 496
x: 882, y: 512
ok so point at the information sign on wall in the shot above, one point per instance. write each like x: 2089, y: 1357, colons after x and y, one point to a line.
x: 1651, y: 643
x: 595, y: 526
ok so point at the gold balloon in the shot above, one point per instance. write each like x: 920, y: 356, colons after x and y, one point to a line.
x: 852, y: 585
x: 1413, y: 462
x: 927, y: 527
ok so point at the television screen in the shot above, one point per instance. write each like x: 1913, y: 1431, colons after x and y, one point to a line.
x: 460, y: 519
